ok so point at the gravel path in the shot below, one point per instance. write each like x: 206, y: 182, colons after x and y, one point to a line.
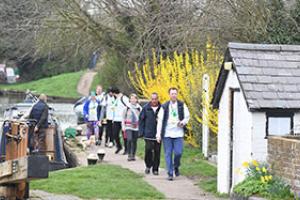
x: 181, y: 188
x: 41, y: 195
x: 85, y: 83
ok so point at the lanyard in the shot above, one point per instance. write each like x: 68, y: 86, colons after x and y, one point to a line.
x: 173, y: 111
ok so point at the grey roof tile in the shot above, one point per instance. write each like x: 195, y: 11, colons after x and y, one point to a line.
x: 268, y: 74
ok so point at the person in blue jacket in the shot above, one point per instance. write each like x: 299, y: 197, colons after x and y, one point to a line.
x: 91, y: 113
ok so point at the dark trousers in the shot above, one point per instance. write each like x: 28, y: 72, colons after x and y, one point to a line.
x: 152, y: 154
x: 100, y: 129
x: 40, y: 140
x: 117, y: 126
x: 131, y: 142
x: 109, y: 131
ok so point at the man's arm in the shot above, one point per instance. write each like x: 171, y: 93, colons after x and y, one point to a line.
x: 186, y: 115
x: 160, y: 117
x: 142, y: 122
x: 43, y: 118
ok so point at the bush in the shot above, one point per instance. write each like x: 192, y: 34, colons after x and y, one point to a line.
x: 259, y: 181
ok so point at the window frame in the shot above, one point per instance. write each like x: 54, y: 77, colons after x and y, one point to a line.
x: 280, y: 114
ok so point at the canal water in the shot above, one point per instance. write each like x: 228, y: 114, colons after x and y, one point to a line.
x: 63, y: 112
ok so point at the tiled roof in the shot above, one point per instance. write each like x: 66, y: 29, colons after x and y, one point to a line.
x: 269, y: 75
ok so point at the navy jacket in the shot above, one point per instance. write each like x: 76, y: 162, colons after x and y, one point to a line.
x: 148, y: 122
x: 39, y: 112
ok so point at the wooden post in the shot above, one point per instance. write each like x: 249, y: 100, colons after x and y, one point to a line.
x: 19, y: 168
x: 205, y: 129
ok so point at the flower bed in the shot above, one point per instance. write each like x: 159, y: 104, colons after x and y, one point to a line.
x: 260, y: 182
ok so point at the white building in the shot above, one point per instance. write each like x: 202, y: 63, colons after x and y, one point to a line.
x: 257, y: 94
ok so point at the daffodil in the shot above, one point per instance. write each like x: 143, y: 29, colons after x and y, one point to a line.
x: 257, y: 169
x: 264, y: 170
x: 255, y: 163
x: 245, y: 164
x: 270, y: 177
x: 262, y: 179
x: 267, y: 178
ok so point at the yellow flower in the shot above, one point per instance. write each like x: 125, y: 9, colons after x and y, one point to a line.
x: 238, y: 171
x: 270, y: 177
x: 262, y: 179
x: 245, y: 164
x: 255, y: 163
x: 266, y: 178
x: 257, y: 169
x: 264, y: 170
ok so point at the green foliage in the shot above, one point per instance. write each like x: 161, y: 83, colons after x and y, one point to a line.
x: 64, y: 85
x: 98, y: 182
x: 260, y: 182
x: 112, y: 72
x: 284, y: 24
x: 250, y: 186
x: 276, y: 189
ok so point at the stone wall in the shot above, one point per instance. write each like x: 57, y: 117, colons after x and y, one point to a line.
x: 284, y: 158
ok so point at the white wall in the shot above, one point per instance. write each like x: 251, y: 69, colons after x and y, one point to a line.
x: 224, y: 134
x: 242, y: 132
x: 297, y: 123
x: 259, y: 143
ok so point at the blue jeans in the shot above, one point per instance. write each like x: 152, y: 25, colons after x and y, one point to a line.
x: 172, y: 145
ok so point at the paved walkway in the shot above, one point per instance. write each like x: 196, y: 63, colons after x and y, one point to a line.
x: 85, y: 83
x: 41, y: 195
x: 181, y: 188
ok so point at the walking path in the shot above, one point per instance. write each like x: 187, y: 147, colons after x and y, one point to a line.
x: 85, y: 83
x: 41, y: 195
x: 181, y: 188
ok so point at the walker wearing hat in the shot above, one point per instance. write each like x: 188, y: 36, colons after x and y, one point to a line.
x: 91, y: 116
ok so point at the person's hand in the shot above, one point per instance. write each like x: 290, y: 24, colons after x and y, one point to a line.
x: 180, y: 124
x: 158, y: 139
x: 36, y: 129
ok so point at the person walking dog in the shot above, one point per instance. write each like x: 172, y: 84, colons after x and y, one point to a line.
x: 172, y: 119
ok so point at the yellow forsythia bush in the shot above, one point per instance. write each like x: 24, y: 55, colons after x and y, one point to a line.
x: 183, y: 71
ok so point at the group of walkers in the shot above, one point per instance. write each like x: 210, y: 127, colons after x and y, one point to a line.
x: 157, y: 123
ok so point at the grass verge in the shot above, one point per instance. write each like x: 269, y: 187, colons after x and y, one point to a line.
x: 63, y: 85
x: 193, y: 166
x: 100, y: 181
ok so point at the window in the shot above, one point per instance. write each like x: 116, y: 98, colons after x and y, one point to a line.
x: 279, y: 123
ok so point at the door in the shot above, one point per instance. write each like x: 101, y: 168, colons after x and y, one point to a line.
x: 234, y: 148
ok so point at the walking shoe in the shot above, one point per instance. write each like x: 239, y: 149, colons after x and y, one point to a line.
x: 170, y: 178
x: 125, y: 153
x: 118, y: 150
x: 110, y: 145
x: 98, y: 143
x: 106, y: 144
x: 147, y: 170
x: 155, y: 173
x: 129, y: 158
x: 176, y: 169
x: 132, y: 158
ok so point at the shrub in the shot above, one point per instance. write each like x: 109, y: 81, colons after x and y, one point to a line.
x: 259, y: 181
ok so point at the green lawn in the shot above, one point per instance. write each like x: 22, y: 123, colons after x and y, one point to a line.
x: 100, y: 181
x: 64, y: 85
x: 193, y: 166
